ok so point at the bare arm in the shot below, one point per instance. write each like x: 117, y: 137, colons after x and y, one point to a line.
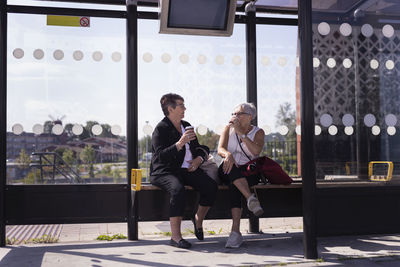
x: 256, y: 146
x: 223, y: 151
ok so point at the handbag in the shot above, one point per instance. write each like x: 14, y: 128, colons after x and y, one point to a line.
x: 210, y: 168
x: 267, y: 169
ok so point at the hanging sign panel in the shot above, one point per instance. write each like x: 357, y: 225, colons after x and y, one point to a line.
x: 72, y: 21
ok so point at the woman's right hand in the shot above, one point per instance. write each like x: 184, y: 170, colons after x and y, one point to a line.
x: 186, y: 137
x: 228, y: 163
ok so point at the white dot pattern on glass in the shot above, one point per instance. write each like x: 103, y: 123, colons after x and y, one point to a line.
x: 219, y: 60
x: 331, y: 62
x: 388, y: 31
x: 58, y: 54
x: 316, y: 62
x: 369, y: 120
x: 265, y: 61
x: 18, y: 53
x: 166, y: 58
x: 236, y: 60
x: 57, y: 129
x: 348, y: 130
x: 267, y: 129
x: 374, y: 64
x: 202, y: 129
x: 390, y: 120
x: 345, y: 29
x: 283, y: 130
x: 116, y: 130
x: 184, y: 59
x: 391, y: 130
x: 38, y: 54
x: 317, y: 130
x: 37, y: 129
x: 77, y: 129
x: 17, y: 129
x: 326, y: 120
x: 147, y: 129
x: 367, y: 30
x: 389, y: 64
x: 347, y: 63
x: 324, y: 28
x: 97, y: 129
x: 202, y: 59
x: 147, y: 57
x: 97, y: 56
x: 332, y: 130
x: 282, y: 61
x: 376, y: 130
x: 348, y: 120
x: 116, y: 56
x: 77, y: 55
x: 298, y: 129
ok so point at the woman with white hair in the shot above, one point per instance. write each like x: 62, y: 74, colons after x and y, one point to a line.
x: 239, y: 143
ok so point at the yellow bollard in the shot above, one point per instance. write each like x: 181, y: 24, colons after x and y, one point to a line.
x: 136, y: 179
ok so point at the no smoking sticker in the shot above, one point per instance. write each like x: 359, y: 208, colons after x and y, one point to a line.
x: 84, y: 22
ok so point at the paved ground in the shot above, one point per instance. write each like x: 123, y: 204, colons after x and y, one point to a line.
x: 279, y: 245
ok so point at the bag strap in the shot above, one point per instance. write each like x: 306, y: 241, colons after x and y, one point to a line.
x: 237, y: 137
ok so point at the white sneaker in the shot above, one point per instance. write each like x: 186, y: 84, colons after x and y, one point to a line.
x: 235, y: 239
x: 254, y: 205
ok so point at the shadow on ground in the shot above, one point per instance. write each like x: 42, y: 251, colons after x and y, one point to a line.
x: 258, y: 250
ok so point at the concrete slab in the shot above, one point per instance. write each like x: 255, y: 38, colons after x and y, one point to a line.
x: 280, y: 244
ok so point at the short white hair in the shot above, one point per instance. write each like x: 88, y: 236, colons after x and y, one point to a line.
x: 249, y: 108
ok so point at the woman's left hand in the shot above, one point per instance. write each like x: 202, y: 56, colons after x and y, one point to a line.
x: 194, y: 164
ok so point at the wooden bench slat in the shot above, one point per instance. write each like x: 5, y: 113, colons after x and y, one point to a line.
x: 225, y: 187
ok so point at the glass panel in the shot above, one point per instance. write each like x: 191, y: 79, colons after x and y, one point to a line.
x: 65, y: 4
x: 66, y: 111
x: 357, y: 103
x: 208, y: 72
x: 277, y: 98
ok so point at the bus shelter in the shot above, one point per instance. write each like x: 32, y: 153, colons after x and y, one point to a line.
x: 81, y: 81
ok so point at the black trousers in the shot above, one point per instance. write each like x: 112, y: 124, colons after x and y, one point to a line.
x: 235, y: 196
x: 174, y: 184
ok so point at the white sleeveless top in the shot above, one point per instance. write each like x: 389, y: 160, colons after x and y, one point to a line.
x: 234, y: 147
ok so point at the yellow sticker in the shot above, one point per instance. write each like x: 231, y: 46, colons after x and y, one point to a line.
x: 71, y: 21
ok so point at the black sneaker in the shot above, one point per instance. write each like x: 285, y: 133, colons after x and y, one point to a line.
x: 181, y: 244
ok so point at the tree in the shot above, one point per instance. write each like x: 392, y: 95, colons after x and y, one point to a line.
x: 24, y: 160
x: 88, y: 156
x: 68, y: 156
x: 210, y: 139
x: 48, y: 126
x: 286, y: 116
x: 142, y: 144
x: 68, y: 130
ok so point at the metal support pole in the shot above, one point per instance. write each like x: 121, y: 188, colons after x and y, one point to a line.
x: 307, y: 129
x: 132, y: 110
x: 3, y: 120
x: 251, y: 78
x: 251, y: 59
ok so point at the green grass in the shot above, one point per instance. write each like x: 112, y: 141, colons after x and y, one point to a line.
x: 111, y: 237
x: 43, y: 239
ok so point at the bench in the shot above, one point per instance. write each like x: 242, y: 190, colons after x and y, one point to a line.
x: 152, y: 204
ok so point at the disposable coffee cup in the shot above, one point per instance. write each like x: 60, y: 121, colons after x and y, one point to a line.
x: 187, y: 128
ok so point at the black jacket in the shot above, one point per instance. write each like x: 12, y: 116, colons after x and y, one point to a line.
x: 166, y: 158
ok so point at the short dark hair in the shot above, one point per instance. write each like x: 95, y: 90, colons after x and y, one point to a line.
x: 169, y: 100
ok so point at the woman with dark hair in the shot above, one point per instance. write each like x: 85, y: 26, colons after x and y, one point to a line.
x: 175, y: 163
x: 239, y: 143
